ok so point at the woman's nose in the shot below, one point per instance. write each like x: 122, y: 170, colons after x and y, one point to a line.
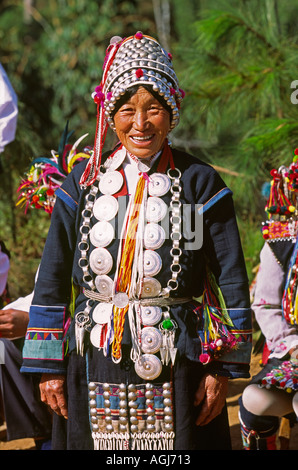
x: 140, y: 121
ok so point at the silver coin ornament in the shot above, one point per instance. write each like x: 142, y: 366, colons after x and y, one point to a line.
x: 101, y: 261
x: 151, y: 340
x: 102, y: 234
x: 105, y: 207
x: 110, y: 182
x: 95, y: 335
x: 154, y: 236
x: 152, y: 263
x: 117, y: 159
x: 151, y: 315
x: 151, y: 288
x: 143, y: 167
x: 104, y: 285
x: 148, y: 367
x: 159, y: 184
x: 102, y: 313
x: 120, y: 299
x: 156, y: 209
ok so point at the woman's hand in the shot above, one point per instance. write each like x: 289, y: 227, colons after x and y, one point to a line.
x: 52, y: 392
x: 211, y: 395
x: 13, y: 323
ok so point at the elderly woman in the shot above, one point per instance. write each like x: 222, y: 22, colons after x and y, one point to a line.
x: 128, y: 354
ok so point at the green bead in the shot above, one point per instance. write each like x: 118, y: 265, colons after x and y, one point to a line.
x: 167, y: 324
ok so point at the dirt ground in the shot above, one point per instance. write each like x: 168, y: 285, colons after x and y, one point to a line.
x: 235, y: 390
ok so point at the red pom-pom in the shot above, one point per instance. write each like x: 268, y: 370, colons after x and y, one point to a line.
x: 139, y: 73
x: 296, y: 151
x: 139, y: 35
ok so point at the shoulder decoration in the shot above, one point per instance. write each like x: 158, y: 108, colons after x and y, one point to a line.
x: 219, y: 338
x: 46, y: 174
x: 281, y: 206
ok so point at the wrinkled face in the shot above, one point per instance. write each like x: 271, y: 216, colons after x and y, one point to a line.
x: 142, y: 124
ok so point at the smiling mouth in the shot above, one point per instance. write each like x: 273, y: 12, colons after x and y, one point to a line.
x: 142, y: 138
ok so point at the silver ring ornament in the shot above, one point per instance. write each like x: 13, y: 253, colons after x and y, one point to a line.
x: 110, y: 182
x: 151, y: 315
x: 102, y: 234
x: 156, y: 209
x: 105, y: 207
x: 154, y: 236
x: 151, y: 340
x: 159, y: 184
x: 152, y: 263
x: 148, y: 367
x: 104, y: 285
x: 102, y: 313
x: 101, y: 261
x: 151, y: 288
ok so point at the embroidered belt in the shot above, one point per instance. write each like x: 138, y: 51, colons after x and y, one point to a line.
x: 159, y: 301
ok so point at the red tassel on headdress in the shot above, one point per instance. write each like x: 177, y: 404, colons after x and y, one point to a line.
x: 93, y: 165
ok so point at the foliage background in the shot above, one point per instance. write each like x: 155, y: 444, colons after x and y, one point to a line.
x: 235, y: 59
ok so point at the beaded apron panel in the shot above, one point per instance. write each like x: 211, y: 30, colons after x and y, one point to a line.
x: 131, y: 417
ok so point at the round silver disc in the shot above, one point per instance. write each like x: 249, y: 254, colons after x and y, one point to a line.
x: 152, y: 263
x: 102, y: 313
x: 120, y: 299
x: 151, y: 315
x: 101, y: 261
x: 143, y: 167
x: 95, y: 336
x: 110, y: 182
x: 104, y: 285
x: 159, y: 184
x: 151, y: 340
x: 105, y: 207
x: 148, y: 367
x: 156, y: 209
x: 117, y: 159
x: 154, y: 236
x: 102, y: 233
x: 151, y: 287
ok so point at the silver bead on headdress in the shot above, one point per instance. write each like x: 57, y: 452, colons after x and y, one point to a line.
x: 136, y: 60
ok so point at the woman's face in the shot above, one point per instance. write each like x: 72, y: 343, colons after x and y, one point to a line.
x: 142, y: 124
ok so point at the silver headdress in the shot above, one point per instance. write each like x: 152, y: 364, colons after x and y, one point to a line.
x: 136, y: 60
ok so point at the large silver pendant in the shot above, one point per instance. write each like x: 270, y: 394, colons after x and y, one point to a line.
x: 148, y: 367
x: 101, y: 261
x: 102, y: 234
x: 104, y: 285
x: 110, y: 182
x: 159, y: 184
x: 154, y: 236
x: 151, y: 315
x: 105, y: 207
x: 82, y: 320
x: 156, y: 209
x: 151, y: 340
x: 152, y: 263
